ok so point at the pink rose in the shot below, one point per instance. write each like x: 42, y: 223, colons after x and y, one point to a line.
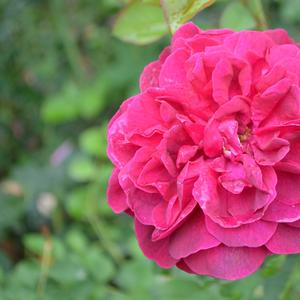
x: 207, y: 155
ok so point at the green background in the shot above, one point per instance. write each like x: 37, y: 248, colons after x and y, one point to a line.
x: 64, y: 70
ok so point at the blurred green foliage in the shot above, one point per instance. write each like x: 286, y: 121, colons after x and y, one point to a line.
x: 62, y: 76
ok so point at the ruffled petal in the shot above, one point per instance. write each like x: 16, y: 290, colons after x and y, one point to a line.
x: 288, y: 188
x: 286, y: 240
x: 115, y: 194
x: 191, y: 237
x: 255, y: 234
x: 227, y: 263
x: 280, y: 212
x: 157, y: 251
x: 143, y: 204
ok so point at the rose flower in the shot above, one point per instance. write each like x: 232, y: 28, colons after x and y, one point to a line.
x: 207, y: 156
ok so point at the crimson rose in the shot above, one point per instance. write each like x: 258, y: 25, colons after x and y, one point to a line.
x: 207, y: 155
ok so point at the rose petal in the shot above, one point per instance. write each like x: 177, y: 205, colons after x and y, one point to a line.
x: 286, y: 240
x: 191, y: 237
x: 288, y: 188
x: 143, y: 204
x: 115, y: 194
x: 255, y: 234
x: 183, y: 266
x: 226, y: 262
x: 149, y: 77
x: 157, y: 251
x: 280, y: 212
x: 172, y: 71
x: 150, y: 74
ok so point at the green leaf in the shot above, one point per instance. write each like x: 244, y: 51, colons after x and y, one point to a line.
x: 74, y: 101
x: 273, y: 265
x: 82, y: 169
x: 82, y: 202
x: 140, y: 23
x: 35, y: 243
x: 93, y: 141
x: 11, y: 209
x: 77, y: 241
x: 61, y: 107
x: 68, y: 271
x: 290, y: 11
x: 91, y: 99
x: 140, y: 271
x: 177, y: 289
x: 77, y: 204
x: 274, y: 285
x: 98, y: 265
x: 245, y: 289
x: 177, y: 12
x: 236, y: 16
x: 153, y: 2
x: 25, y: 274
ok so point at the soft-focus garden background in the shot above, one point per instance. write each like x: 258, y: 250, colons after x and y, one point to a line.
x: 63, y: 73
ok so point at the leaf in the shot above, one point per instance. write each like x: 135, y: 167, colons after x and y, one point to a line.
x: 231, y: 17
x: 74, y: 101
x: 177, y: 12
x: 140, y: 23
x: 76, y: 240
x: 25, y: 274
x: 273, y: 265
x: 153, y: 2
x: 11, y: 209
x: 35, y: 243
x: 140, y: 271
x: 82, y: 202
x: 98, y: 265
x: 273, y: 285
x: 245, y: 288
x: 68, y: 271
x: 93, y: 141
x: 61, y: 107
x: 290, y: 11
x: 82, y: 169
x: 177, y: 289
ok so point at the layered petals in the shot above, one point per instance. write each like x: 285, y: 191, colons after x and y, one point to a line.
x: 245, y: 235
x: 191, y: 237
x: 286, y: 240
x: 206, y: 156
x: 227, y: 262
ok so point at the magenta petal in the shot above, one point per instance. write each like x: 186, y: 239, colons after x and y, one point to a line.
x: 149, y: 77
x: 280, y: 212
x: 115, y: 194
x: 150, y: 74
x: 157, y: 251
x: 286, y: 240
x: 212, y: 140
x: 183, y: 266
x: 165, y: 213
x: 295, y: 224
x: 185, y: 153
x: 255, y: 234
x: 279, y: 36
x: 142, y: 204
x: 227, y: 263
x: 186, y: 31
x: 172, y: 71
x: 161, y: 234
x: 245, y: 43
x: 191, y: 237
x: 207, y: 154
x: 288, y: 188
